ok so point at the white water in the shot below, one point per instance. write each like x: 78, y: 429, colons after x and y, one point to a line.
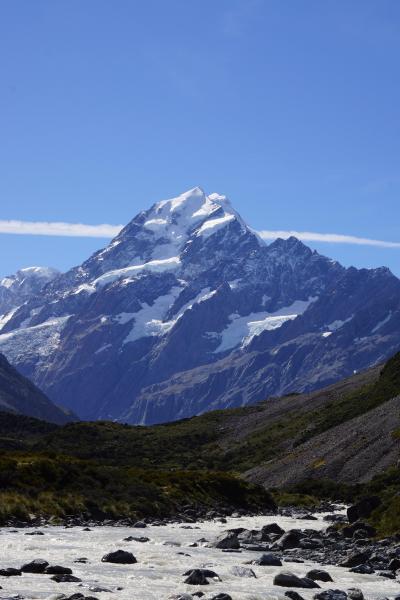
x: 158, y: 573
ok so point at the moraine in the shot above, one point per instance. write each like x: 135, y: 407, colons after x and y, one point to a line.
x: 162, y: 561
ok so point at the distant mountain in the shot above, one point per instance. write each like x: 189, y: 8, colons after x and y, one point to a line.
x: 22, y: 286
x: 20, y: 396
x: 187, y: 310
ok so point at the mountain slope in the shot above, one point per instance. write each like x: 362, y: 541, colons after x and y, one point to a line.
x: 259, y: 440
x: 187, y: 310
x: 340, y: 442
x: 21, y: 396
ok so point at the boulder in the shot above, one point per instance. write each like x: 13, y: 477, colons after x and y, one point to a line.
x: 394, y: 564
x: 355, y: 594
x: 10, y: 572
x: 206, y: 572
x: 139, y: 525
x: 363, y: 569
x: 355, y: 559
x: 290, y: 539
x: 239, y: 571
x: 288, y: 579
x: 293, y: 595
x: 58, y: 570
x: 197, y: 577
x: 319, y: 575
x: 268, y: 560
x: 119, y: 557
x: 35, y: 566
x: 132, y: 538
x: 331, y: 595
x: 65, y: 578
x: 228, y: 541
x: 271, y: 528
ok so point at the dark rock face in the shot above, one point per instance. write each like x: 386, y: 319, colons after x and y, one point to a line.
x: 187, y: 310
x: 228, y: 541
x: 197, y: 577
x: 36, y: 566
x: 10, y: 572
x: 288, y: 579
x: 65, y: 578
x: 269, y: 560
x: 58, y: 570
x: 356, y: 559
x: 120, y: 557
x: 21, y: 396
x: 319, y: 575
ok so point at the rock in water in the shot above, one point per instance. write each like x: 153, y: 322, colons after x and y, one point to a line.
x: 228, y: 541
x: 119, y: 557
x: 35, y: 566
x: 319, y: 575
x: 288, y: 579
x: 331, y: 595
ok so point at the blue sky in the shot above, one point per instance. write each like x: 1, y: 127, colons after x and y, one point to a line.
x: 291, y: 108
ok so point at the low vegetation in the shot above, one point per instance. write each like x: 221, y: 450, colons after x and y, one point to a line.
x: 120, y: 470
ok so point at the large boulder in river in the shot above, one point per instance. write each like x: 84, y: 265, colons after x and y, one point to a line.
x: 120, y: 557
x: 10, y: 572
x: 58, y: 570
x: 319, y: 575
x: 35, y: 566
x: 271, y: 528
x: 197, y: 577
x: 288, y: 579
x: 268, y: 560
x: 228, y: 541
x: 290, y: 539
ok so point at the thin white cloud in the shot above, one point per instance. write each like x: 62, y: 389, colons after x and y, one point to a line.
x: 333, y: 238
x: 108, y: 231
x: 59, y: 229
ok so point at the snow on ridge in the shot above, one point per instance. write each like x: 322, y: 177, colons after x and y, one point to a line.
x: 7, y: 317
x: 338, y: 324
x: 209, y: 227
x: 242, y: 329
x: 128, y: 273
x: 382, y: 323
x: 148, y: 321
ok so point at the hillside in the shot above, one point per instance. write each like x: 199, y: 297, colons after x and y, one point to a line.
x: 21, y: 396
x: 347, y: 434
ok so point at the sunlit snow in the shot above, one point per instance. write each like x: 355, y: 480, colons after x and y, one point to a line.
x: 242, y: 329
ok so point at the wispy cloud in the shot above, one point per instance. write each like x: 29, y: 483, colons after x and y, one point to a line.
x: 59, y: 229
x: 108, y: 231
x: 333, y: 238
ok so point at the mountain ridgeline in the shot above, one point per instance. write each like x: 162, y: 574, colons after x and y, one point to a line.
x: 187, y: 310
x: 20, y: 396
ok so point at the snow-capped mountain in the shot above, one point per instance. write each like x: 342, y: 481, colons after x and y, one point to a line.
x: 26, y: 283
x: 188, y: 310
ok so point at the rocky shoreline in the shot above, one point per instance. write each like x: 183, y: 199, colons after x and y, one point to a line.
x: 340, y: 540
